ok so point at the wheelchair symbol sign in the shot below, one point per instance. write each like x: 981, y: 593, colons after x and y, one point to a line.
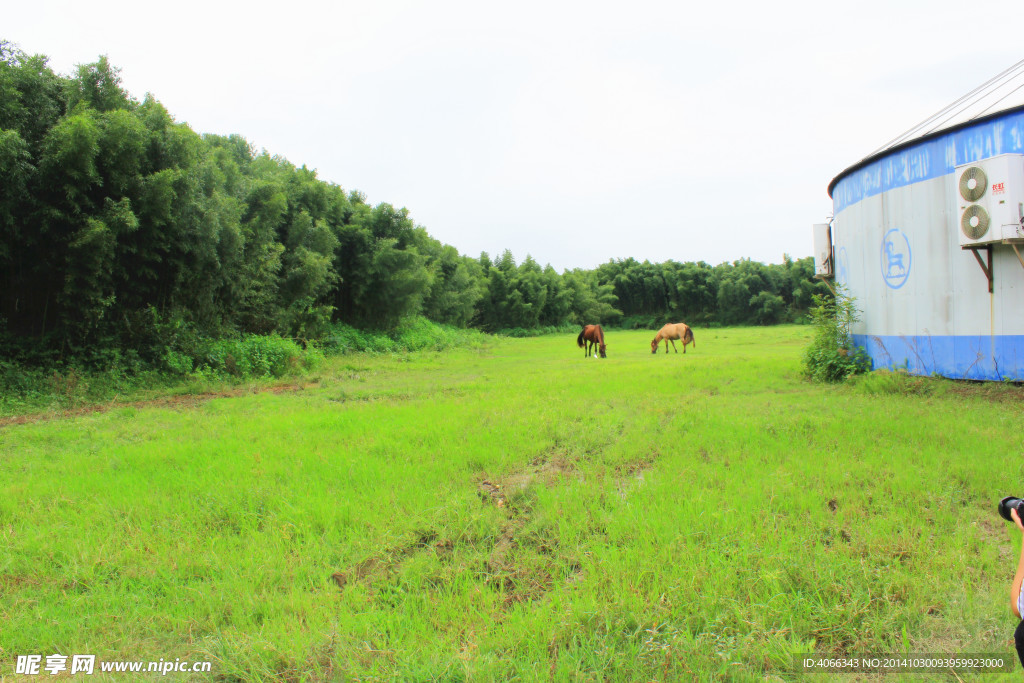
x: 895, y: 258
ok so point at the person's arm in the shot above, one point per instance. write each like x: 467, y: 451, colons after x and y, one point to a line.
x: 1018, y: 578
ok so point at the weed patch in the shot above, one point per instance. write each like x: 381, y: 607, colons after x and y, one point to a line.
x: 832, y: 356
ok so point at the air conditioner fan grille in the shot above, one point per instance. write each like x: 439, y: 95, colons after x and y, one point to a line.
x: 974, y: 222
x: 973, y: 183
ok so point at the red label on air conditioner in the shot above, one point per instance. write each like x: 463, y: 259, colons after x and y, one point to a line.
x: 999, y: 188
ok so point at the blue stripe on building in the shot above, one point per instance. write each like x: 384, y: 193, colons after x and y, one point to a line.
x: 958, y: 357
x: 931, y: 159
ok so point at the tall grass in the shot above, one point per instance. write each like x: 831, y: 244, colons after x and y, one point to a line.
x: 416, y: 334
x: 210, y: 364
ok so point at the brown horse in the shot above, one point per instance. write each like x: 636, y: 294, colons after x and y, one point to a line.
x: 593, y: 335
x: 671, y: 332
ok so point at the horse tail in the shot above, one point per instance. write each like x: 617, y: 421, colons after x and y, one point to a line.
x: 689, y: 333
x: 579, y: 339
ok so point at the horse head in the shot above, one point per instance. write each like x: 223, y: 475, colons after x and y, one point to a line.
x: 601, y: 350
x: 654, y: 345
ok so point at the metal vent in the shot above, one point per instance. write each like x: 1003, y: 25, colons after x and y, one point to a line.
x: 973, y: 183
x: 974, y: 221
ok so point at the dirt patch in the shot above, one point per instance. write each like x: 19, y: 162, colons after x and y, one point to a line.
x: 994, y: 392
x: 509, y: 492
x: 497, y: 561
x: 492, y: 492
x: 631, y: 475
x: 992, y: 531
x: 638, y: 466
x: 382, y: 566
x: 527, y: 578
x: 521, y: 581
x: 180, y: 401
x: 14, y: 581
x: 368, y: 567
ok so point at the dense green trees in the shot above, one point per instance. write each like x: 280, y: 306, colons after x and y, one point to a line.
x: 740, y: 293
x: 121, y: 228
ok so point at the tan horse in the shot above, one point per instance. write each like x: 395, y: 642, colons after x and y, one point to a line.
x: 670, y: 333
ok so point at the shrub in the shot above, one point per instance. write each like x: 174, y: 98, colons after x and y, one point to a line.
x: 413, y: 334
x: 832, y: 355
x: 253, y: 356
x: 522, y: 332
x: 347, y: 339
x: 18, y: 379
x: 642, y: 322
x: 420, y: 334
x: 177, y: 363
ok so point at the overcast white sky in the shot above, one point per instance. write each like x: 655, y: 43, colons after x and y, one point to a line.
x: 574, y: 132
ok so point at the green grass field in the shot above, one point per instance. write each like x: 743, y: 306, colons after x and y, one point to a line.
x: 519, y: 512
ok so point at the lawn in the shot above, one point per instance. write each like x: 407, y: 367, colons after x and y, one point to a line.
x: 520, y: 512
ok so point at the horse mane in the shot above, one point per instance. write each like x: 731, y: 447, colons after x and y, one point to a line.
x: 579, y: 339
x: 600, y: 335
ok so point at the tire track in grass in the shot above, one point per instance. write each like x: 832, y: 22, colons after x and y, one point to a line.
x: 176, y: 401
x: 381, y: 567
x: 186, y: 401
x: 513, y: 494
x: 518, y: 561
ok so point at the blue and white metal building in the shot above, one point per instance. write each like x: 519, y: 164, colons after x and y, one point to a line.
x: 928, y: 235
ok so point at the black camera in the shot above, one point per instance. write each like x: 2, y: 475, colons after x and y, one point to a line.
x: 1011, y: 503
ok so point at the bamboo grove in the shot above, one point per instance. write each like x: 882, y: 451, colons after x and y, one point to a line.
x: 123, y: 228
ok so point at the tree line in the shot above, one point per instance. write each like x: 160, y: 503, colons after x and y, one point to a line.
x: 123, y: 228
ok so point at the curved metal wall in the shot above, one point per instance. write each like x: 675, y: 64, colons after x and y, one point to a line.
x: 925, y: 302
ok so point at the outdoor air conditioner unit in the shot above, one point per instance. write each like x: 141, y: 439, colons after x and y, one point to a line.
x: 823, y: 262
x: 990, y: 194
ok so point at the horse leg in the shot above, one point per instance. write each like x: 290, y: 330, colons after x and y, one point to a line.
x: 673, y: 347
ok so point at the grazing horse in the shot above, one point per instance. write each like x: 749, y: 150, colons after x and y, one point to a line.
x: 593, y: 335
x: 671, y: 332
